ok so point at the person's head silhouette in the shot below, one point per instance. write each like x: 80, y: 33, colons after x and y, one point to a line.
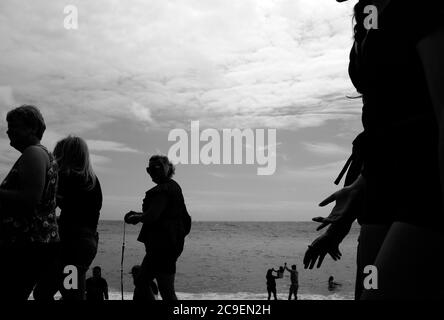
x: 160, y: 169
x: 97, y: 272
x: 135, y: 270
x: 25, y: 127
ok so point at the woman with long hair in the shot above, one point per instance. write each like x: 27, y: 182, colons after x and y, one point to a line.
x: 397, y: 194
x: 79, y: 196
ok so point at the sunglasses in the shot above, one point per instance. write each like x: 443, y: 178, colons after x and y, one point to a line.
x: 154, y: 168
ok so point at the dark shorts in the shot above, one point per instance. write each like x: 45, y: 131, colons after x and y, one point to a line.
x: 79, y: 251
x: 154, y: 263
x: 294, y: 288
x: 21, y: 267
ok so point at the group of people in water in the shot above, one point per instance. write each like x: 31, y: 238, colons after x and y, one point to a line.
x: 36, y: 245
x: 294, y: 281
x: 394, y: 183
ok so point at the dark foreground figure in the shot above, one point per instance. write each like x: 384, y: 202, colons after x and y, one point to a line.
x: 28, y: 228
x: 96, y: 286
x: 165, y: 224
x: 138, y: 295
x: 394, y: 186
x: 79, y: 196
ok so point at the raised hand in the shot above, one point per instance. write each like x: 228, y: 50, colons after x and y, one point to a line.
x: 347, y: 207
x: 327, y: 243
x: 133, y: 217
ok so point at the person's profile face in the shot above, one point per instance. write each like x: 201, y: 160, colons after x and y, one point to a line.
x: 18, y: 134
x: 157, y: 171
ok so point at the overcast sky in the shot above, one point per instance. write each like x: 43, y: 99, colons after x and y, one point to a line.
x: 134, y: 70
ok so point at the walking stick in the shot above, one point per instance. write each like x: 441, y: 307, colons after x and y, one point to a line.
x: 121, y: 262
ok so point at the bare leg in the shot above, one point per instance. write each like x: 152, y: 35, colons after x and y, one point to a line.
x: 370, y: 241
x: 165, y: 283
x: 409, y: 264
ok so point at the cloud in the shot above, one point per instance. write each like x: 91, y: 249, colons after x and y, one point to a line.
x: 326, y: 149
x: 157, y: 65
x: 218, y: 175
x: 256, y: 63
x: 324, y: 171
x: 100, y: 145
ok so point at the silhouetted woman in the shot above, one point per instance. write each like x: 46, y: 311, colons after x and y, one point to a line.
x: 28, y: 227
x: 397, y: 191
x: 79, y: 197
x: 271, y: 284
x: 163, y: 232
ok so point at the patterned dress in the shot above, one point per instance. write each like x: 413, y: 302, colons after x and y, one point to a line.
x: 24, y: 225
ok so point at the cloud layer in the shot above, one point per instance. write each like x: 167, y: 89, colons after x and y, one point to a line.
x: 227, y: 63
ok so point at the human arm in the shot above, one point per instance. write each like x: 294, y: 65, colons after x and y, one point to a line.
x: 154, y: 208
x: 326, y: 243
x: 32, y: 175
x: 151, y: 211
x: 345, y: 209
x: 344, y: 213
x: 286, y: 268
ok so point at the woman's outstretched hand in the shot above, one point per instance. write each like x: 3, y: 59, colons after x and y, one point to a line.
x: 325, y: 243
x: 133, y: 217
x: 347, y: 207
x: 344, y: 209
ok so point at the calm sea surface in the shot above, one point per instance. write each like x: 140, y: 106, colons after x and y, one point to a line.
x: 229, y: 260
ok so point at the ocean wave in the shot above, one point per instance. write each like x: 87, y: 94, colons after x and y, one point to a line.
x: 237, y: 296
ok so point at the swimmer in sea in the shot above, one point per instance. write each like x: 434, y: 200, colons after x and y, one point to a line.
x: 332, y: 285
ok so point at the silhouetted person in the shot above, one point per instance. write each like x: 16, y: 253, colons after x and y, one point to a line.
x: 271, y: 284
x: 163, y: 231
x: 138, y: 295
x: 280, y: 272
x: 395, y: 181
x: 294, y: 285
x: 332, y: 285
x: 96, y: 286
x: 79, y: 196
x: 28, y: 228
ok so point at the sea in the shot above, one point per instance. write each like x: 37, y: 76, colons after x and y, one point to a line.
x: 229, y: 261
